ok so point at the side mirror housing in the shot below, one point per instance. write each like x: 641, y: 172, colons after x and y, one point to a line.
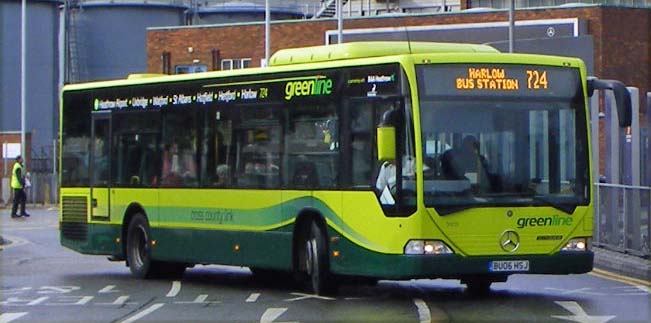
x: 386, y: 143
x: 622, y: 97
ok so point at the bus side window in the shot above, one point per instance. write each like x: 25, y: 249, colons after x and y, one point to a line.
x: 362, y: 146
x: 136, y: 154
x: 312, y: 141
x: 258, y: 145
x: 180, y: 149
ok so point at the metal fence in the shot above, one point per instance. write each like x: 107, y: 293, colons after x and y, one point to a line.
x: 623, y: 218
x: 44, y: 189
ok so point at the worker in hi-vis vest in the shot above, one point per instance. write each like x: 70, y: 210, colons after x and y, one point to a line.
x: 18, y: 185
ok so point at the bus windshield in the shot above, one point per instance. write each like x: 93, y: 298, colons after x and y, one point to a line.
x: 484, y: 149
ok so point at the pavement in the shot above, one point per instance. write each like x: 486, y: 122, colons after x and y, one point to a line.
x: 612, y: 261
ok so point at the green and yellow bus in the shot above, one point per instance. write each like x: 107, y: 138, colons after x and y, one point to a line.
x: 382, y: 160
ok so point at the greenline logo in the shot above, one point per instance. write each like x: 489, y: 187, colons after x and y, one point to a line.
x: 554, y: 221
x: 318, y: 85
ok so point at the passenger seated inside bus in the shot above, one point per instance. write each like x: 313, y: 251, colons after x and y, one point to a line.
x: 223, y: 175
x: 465, y: 163
x: 179, y: 167
x: 305, y: 175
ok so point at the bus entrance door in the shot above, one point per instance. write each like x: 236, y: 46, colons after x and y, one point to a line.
x: 100, y: 166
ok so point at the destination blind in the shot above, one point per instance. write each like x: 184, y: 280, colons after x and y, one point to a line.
x: 499, y: 80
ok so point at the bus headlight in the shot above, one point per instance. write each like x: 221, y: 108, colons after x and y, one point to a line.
x: 577, y: 244
x: 427, y: 247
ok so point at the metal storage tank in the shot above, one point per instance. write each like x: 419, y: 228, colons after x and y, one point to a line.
x: 236, y: 12
x: 42, y: 60
x: 107, y: 39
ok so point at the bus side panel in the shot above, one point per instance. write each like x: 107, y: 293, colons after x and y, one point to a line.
x: 269, y: 249
x: 231, y: 227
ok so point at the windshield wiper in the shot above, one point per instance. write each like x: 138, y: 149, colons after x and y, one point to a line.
x: 568, y: 208
x: 444, y: 210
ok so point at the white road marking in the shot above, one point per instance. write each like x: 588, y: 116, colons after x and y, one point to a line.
x: 57, y: 289
x: 579, y: 314
x: 108, y: 289
x: 201, y: 299
x: 272, y: 314
x: 302, y: 296
x: 37, y: 301
x: 644, y: 288
x: 424, y: 315
x: 15, y: 241
x: 14, y: 291
x: 176, y: 288
x: 8, y: 317
x: 118, y: 301
x: 253, y: 297
x: 143, y: 313
x: 70, y: 300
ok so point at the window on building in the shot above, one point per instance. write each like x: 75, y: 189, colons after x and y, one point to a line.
x: 187, y: 69
x: 166, y: 62
x: 235, y: 63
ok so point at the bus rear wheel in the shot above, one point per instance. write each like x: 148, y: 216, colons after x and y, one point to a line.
x: 139, y: 247
x: 139, y: 253
x: 317, y: 262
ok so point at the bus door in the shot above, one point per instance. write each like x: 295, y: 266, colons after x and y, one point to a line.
x: 100, y: 166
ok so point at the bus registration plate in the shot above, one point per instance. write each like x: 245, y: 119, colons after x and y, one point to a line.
x: 509, y: 265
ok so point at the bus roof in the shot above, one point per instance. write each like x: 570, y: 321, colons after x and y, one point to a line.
x: 369, y: 49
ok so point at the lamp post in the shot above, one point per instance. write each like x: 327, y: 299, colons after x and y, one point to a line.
x: 23, y: 78
x: 511, y: 24
x: 267, y: 32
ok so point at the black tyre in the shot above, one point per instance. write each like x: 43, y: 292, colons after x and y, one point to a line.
x: 479, y: 287
x: 139, y: 247
x: 317, y: 262
x: 139, y: 253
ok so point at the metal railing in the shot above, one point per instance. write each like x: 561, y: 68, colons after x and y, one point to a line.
x: 622, y: 219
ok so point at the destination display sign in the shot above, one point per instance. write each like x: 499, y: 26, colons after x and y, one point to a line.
x: 499, y: 80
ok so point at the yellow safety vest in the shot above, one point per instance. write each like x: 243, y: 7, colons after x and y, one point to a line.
x: 15, y: 181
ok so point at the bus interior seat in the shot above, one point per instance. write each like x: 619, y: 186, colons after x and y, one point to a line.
x: 305, y: 175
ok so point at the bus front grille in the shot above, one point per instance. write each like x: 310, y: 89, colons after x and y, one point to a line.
x: 74, y: 208
x: 73, y: 217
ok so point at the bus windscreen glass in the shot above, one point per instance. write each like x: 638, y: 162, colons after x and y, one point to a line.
x: 503, y: 135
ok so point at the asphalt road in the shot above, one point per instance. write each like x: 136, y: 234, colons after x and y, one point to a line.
x: 40, y: 281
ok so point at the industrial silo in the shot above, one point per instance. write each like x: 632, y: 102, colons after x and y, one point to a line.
x: 107, y: 39
x: 238, y: 11
x: 41, y: 78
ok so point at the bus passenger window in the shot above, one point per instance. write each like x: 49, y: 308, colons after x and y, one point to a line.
x: 312, y: 141
x: 180, y: 149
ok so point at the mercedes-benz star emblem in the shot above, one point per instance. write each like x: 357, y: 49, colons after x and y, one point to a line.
x: 509, y: 241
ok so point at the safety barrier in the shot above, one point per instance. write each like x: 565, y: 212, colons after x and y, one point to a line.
x: 622, y: 219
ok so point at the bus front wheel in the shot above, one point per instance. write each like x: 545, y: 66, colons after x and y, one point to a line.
x: 317, y: 262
